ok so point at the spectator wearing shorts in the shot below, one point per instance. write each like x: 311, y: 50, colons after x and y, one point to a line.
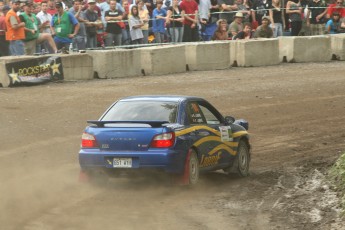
x: 65, y: 27
x: 33, y: 37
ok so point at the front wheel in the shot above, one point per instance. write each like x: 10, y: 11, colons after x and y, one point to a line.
x: 241, y: 163
x: 193, y: 168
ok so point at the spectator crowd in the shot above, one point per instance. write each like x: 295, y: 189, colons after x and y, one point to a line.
x: 51, y: 26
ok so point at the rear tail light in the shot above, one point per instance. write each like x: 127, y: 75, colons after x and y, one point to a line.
x: 164, y: 140
x: 88, y: 141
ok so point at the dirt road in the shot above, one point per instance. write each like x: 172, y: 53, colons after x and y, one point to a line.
x: 297, y: 119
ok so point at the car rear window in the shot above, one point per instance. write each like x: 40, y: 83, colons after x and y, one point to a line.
x: 142, y: 111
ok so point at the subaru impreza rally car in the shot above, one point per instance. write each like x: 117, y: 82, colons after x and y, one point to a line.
x: 178, y: 135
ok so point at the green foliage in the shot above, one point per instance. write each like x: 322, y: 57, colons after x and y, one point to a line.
x: 337, y: 174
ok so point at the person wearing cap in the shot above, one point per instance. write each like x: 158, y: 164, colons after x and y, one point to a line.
x: 237, y: 25
x: 4, y: 44
x: 65, y: 27
x: 264, y: 30
x: 15, y: 30
x: 33, y: 37
x: 92, y: 23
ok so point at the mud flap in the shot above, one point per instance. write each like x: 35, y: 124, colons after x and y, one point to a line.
x: 184, y: 178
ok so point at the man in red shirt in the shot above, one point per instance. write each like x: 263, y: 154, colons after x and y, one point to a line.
x: 337, y: 7
x: 189, y: 10
x: 51, y: 8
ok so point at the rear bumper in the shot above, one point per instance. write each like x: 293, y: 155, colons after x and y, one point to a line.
x: 170, y: 161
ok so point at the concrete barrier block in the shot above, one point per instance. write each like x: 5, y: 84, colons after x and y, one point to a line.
x: 305, y: 49
x: 208, y: 56
x: 254, y: 52
x: 77, y: 66
x: 4, y: 79
x: 338, y: 46
x: 163, y: 59
x: 116, y: 63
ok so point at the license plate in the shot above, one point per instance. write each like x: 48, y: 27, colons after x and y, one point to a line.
x: 122, y: 162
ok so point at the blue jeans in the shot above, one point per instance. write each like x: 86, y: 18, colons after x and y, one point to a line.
x: 176, y: 34
x: 278, y: 30
x: 79, y: 43
x: 17, y: 48
x: 126, y: 38
x: 159, y: 37
x: 91, y: 41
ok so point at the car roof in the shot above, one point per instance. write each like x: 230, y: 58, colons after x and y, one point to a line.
x: 171, y: 98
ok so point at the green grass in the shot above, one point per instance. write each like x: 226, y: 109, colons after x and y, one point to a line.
x: 337, y: 173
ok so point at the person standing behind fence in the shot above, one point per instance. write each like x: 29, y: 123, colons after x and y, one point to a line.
x: 159, y: 17
x: 259, y: 10
x: 144, y: 16
x: 135, y: 25
x: 4, y: 51
x: 175, y: 20
x: 114, y: 30
x: 65, y: 27
x: 295, y: 11
x: 226, y: 8
x: 190, y: 24
x: 276, y: 13
x: 336, y: 7
x: 126, y: 37
x: 79, y: 41
x: 15, y: 30
x: 92, y: 23
x: 316, y: 17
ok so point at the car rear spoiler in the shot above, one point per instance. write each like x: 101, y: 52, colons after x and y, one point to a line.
x: 154, y: 124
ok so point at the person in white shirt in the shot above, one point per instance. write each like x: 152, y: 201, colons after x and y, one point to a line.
x: 45, y: 18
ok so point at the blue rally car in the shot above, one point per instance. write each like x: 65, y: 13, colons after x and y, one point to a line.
x: 178, y: 135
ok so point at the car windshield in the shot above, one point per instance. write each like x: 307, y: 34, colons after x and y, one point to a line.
x: 142, y: 111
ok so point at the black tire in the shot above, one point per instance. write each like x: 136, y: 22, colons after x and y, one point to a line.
x: 241, y: 163
x: 194, y: 169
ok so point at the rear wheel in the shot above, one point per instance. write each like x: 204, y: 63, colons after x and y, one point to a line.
x: 241, y: 163
x: 190, y: 174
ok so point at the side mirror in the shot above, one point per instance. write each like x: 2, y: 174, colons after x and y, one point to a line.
x: 229, y: 120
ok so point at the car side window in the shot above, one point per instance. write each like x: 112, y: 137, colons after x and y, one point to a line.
x: 211, y: 119
x: 195, y: 115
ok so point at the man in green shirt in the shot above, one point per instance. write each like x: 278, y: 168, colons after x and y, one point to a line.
x: 65, y: 27
x: 33, y: 37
